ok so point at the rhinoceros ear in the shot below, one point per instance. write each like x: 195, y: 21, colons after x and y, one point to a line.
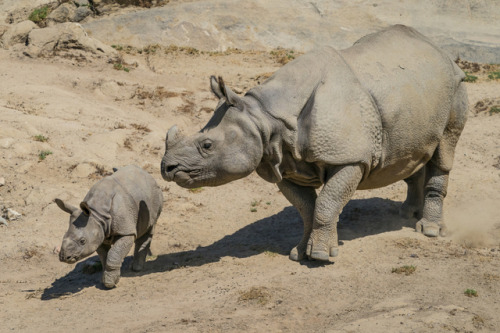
x: 220, y: 90
x: 66, y: 207
x: 85, y: 208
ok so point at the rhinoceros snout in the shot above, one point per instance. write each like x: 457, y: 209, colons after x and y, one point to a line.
x: 66, y: 258
x: 168, y: 170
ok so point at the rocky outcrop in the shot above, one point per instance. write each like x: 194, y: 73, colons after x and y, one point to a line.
x: 65, y: 40
x: 465, y: 28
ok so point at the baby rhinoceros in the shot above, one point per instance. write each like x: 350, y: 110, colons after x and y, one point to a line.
x: 118, y: 210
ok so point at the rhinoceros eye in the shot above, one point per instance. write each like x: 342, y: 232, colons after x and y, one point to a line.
x: 206, y: 145
x: 83, y: 241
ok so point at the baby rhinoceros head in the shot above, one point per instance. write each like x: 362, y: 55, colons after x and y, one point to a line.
x: 85, y: 234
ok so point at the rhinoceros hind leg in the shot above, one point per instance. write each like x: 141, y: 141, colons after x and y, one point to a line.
x: 431, y: 224
x: 438, y: 168
x: 142, y: 245
x: 414, y: 203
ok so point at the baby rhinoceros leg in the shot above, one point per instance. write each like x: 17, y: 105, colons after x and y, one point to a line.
x: 114, y: 260
x: 102, y: 252
x: 142, y: 245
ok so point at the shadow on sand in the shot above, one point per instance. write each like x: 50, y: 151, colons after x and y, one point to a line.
x: 278, y: 233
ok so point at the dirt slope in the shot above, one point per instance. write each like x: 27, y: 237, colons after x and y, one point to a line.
x: 220, y: 261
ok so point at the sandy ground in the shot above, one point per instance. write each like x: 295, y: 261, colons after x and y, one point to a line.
x: 220, y: 259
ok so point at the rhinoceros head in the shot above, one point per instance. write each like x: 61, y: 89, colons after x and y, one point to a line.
x: 85, y: 234
x: 229, y: 147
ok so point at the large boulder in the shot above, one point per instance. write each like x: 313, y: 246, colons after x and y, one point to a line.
x: 17, y: 33
x: 67, y: 39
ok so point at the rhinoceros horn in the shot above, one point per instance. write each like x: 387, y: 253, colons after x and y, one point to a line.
x: 172, y: 135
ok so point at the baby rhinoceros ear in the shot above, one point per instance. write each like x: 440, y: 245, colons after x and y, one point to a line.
x: 66, y: 207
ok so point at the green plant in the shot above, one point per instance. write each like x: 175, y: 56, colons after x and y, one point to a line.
x: 407, y: 270
x: 39, y: 14
x: 470, y: 293
x: 494, y: 75
x: 195, y: 190
x: 40, y: 138
x: 253, y: 209
x: 283, y: 56
x: 470, y: 78
x: 43, y: 154
x: 119, y: 66
x: 494, y: 110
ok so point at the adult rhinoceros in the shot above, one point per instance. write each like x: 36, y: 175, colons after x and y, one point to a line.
x: 389, y: 108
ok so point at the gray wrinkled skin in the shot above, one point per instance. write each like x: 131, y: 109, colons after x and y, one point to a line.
x: 118, y: 211
x: 389, y: 108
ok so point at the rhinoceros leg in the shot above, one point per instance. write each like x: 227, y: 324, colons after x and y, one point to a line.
x: 336, y: 192
x: 141, y: 251
x: 438, y: 168
x: 303, y: 199
x: 431, y: 224
x: 114, y: 260
x: 413, y: 205
x: 102, y: 252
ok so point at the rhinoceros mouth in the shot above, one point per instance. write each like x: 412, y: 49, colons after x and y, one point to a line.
x: 185, y: 177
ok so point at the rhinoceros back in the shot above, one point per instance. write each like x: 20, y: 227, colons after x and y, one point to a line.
x: 413, y: 84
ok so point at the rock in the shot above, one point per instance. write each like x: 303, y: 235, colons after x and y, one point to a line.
x: 81, y: 3
x: 65, y: 38
x: 69, y: 12
x: 3, y: 221
x: 17, y: 33
x: 81, y: 13
x: 2, y: 181
x: 12, y: 215
x: 63, y: 13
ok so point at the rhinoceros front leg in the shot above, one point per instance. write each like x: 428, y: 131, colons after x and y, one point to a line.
x: 114, y: 260
x: 336, y: 192
x: 303, y: 199
x: 431, y: 224
x: 102, y: 252
x: 413, y: 205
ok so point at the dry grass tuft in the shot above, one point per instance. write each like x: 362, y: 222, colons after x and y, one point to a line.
x: 406, y: 270
x: 260, y: 295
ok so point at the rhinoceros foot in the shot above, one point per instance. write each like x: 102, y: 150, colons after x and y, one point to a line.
x: 110, y: 277
x: 315, y: 252
x: 296, y: 254
x: 431, y: 229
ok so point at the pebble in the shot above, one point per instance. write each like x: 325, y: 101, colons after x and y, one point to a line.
x: 12, y: 215
x: 2, y: 181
